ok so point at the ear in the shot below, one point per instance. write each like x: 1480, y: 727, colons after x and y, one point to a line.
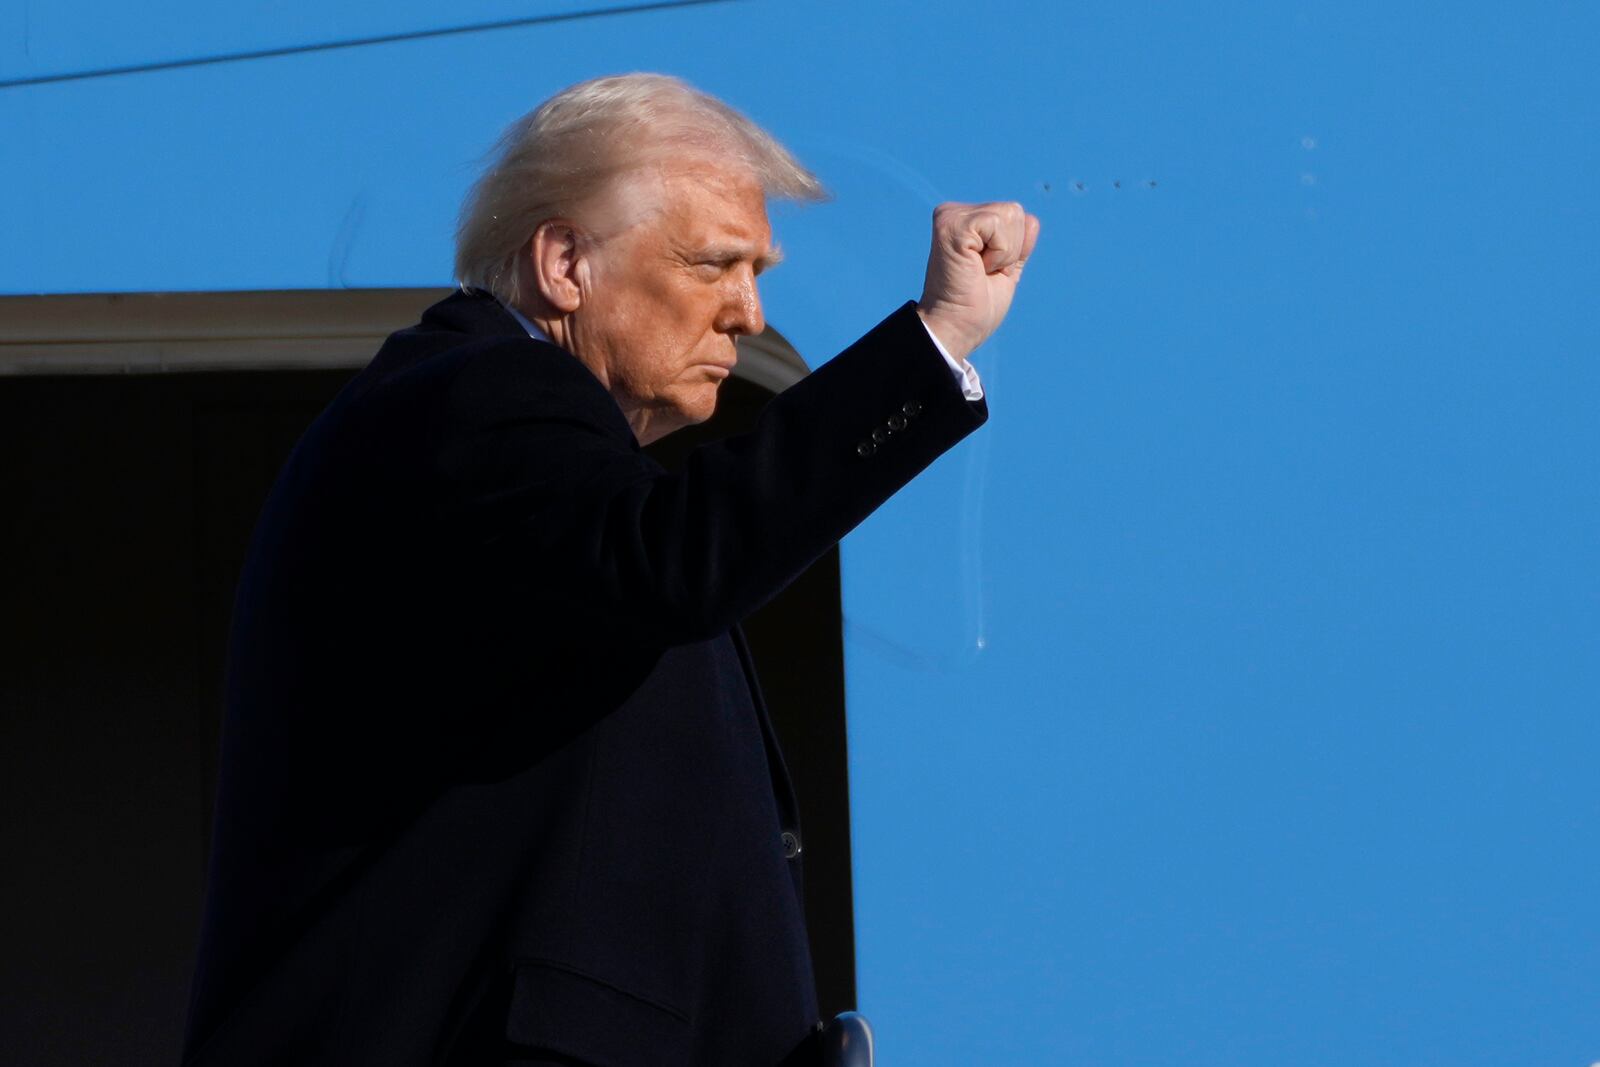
x: 555, y: 252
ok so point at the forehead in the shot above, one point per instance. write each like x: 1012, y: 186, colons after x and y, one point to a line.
x: 704, y: 204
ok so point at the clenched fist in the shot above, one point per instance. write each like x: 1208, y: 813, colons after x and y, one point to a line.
x: 978, y: 254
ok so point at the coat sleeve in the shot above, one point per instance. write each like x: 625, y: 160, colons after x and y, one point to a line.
x: 543, y: 503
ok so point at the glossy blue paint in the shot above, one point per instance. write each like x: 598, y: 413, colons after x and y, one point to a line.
x: 1231, y: 698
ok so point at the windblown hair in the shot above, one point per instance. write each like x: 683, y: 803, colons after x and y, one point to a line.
x: 587, y: 137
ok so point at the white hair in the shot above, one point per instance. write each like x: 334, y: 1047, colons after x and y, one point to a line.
x: 580, y: 142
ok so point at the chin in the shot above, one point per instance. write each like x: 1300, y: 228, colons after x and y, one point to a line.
x: 699, y: 409
x: 670, y: 419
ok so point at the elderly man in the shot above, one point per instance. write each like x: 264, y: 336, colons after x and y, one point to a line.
x: 497, y: 784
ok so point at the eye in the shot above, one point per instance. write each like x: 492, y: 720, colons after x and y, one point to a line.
x: 712, y: 269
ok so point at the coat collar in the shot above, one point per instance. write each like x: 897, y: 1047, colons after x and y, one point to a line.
x: 472, y: 311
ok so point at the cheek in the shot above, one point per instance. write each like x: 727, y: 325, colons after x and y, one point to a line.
x: 625, y: 333
x: 656, y: 323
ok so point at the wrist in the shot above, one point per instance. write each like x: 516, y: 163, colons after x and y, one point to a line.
x: 948, y: 336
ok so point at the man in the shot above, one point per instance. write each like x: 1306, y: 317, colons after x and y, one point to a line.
x: 497, y: 784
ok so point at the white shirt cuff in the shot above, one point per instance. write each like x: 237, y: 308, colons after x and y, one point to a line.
x: 966, y: 374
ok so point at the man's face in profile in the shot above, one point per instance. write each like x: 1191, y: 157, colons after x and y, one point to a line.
x: 671, y: 294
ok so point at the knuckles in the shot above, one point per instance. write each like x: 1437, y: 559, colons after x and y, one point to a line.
x: 954, y: 215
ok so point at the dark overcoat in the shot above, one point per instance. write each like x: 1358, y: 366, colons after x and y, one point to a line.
x: 495, y: 771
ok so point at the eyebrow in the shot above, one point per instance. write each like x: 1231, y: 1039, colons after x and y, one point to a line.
x: 734, y: 253
x: 773, y: 257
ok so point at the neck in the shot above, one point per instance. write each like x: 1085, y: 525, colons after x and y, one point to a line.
x: 648, y: 425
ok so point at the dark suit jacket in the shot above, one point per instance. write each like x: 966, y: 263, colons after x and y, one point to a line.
x: 495, y: 770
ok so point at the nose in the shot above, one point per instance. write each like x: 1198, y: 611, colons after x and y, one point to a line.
x: 741, y: 314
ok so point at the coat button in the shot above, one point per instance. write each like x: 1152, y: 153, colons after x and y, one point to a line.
x: 791, y: 845
x: 897, y: 423
x: 865, y: 449
x: 911, y: 409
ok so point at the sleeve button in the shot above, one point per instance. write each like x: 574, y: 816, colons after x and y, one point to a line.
x: 911, y: 409
x: 880, y: 435
x: 865, y: 449
x: 897, y: 423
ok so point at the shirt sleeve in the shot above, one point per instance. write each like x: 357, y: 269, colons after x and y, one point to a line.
x: 966, y: 374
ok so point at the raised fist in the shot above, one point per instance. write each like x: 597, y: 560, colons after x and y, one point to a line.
x: 977, y: 257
